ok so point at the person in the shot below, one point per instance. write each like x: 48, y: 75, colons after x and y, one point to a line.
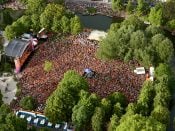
x: 88, y: 73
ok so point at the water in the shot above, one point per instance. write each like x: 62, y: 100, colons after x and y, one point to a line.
x: 99, y: 22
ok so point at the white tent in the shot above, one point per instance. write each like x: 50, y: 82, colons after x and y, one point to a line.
x: 139, y: 70
x: 97, y: 35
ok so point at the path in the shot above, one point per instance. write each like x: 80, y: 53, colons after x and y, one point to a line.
x: 8, y: 88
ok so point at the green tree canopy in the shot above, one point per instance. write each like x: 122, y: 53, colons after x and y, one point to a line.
x: 145, y: 99
x: 138, y: 123
x: 18, y: 27
x: 98, y: 119
x: 118, y: 97
x: 83, y: 111
x: 117, y: 5
x: 51, y: 12
x: 141, y: 7
x: 75, y: 25
x: 138, y: 40
x: 171, y: 24
x: 36, y: 6
x: 129, y: 7
x: 65, y: 24
x: 152, y: 30
x: 156, y: 15
x: 114, y: 122
x: 28, y: 103
x: 161, y: 114
x: 59, y: 105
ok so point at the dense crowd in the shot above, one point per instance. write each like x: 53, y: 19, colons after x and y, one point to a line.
x: 111, y: 75
x: 102, y: 8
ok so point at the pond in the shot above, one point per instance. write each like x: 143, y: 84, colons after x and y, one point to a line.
x: 99, y: 22
x: 7, y: 16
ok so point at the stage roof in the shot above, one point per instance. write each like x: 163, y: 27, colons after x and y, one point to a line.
x: 16, y: 47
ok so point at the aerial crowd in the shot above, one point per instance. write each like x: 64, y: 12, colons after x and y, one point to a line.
x: 81, y: 6
x: 111, y: 75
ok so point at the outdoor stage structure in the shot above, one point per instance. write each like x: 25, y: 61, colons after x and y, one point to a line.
x: 19, y: 50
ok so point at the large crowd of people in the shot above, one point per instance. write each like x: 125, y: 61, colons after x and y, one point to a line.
x: 101, y: 8
x: 111, y: 75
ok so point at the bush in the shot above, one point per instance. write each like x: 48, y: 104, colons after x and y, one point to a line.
x: 48, y: 66
x: 28, y: 103
x: 91, y: 10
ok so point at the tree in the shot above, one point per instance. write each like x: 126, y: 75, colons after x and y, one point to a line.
x: 115, y: 45
x: 107, y: 107
x: 18, y: 123
x: 138, y: 40
x: 118, y: 97
x: 117, y: 5
x: 129, y: 7
x: 169, y: 10
x: 145, y: 98
x: 114, y: 122
x: 156, y: 15
x: 165, y: 50
x: 65, y: 24
x: 162, y: 69
x: 145, y: 56
x: 83, y: 111
x: 162, y: 99
x: 98, y: 119
x: 28, y: 103
x: 152, y: 30
x: 138, y: 123
x: 132, y: 108
x: 118, y: 110
x: 59, y: 105
x: 9, y: 122
x: 161, y: 114
x: 18, y: 27
x: 75, y: 25
x: 35, y: 6
x: 171, y: 24
x: 35, y: 18
x: 10, y: 32
x: 4, y: 109
x: 157, y: 39
x: 51, y: 12
x: 163, y: 47
x: 142, y: 7
x: 134, y: 21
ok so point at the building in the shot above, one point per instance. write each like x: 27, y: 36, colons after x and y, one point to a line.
x: 19, y: 50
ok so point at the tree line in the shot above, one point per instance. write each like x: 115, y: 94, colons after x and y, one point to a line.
x: 40, y: 14
x: 131, y: 40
